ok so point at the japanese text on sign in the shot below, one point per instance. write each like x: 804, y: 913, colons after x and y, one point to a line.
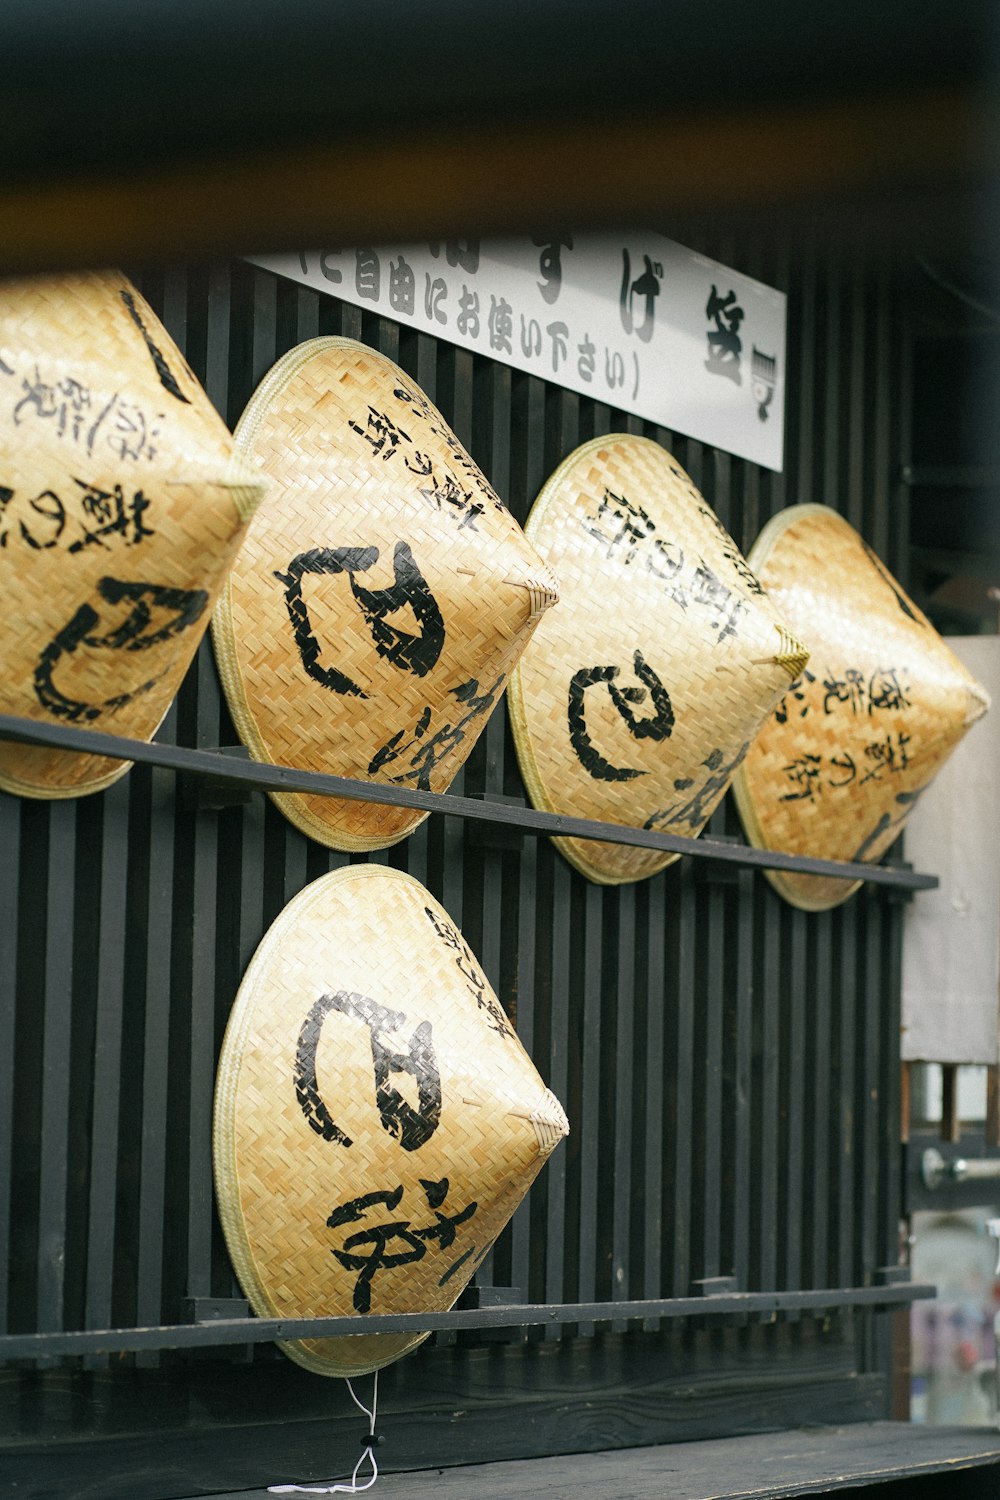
x: 637, y: 322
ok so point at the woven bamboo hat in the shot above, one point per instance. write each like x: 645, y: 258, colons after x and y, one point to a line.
x: 383, y: 596
x: 840, y: 763
x: 638, y: 697
x: 377, y: 1120
x: 122, y: 504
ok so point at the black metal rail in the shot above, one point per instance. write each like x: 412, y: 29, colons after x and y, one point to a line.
x: 262, y: 777
x: 222, y: 1331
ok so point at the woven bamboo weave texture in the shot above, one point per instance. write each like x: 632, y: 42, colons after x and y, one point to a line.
x: 862, y: 732
x: 122, y: 505
x: 384, y: 594
x: 377, y: 1120
x: 639, y: 696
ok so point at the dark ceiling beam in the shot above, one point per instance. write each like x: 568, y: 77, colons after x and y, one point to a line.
x: 582, y: 171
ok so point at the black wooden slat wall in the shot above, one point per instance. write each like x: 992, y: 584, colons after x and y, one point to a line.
x: 728, y: 1063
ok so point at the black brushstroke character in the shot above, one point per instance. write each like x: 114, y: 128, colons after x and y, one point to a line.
x: 429, y: 753
x: 379, y: 1237
x: 321, y: 560
x: 367, y: 274
x: 694, y: 812
x: 163, y: 370
x: 183, y: 607
x: 550, y: 266
x: 647, y: 286
x: 111, y: 513
x: 843, y: 762
x: 468, y: 313
x: 708, y: 589
x: 460, y: 253
x: 413, y: 1128
x: 51, y: 512
x: 448, y: 491
x: 764, y: 372
x: 724, y: 342
x: 657, y: 726
x: 618, y: 521
x: 402, y: 287
x: 475, y: 981
x: 890, y: 583
x: 907, y: 800
x: 885, y: 691
x: 409, y: 652
x: 798, y: 693
x: 804, y: 773
x: 849, y: 689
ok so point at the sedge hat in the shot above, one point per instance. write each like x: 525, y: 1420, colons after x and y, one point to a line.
x: 384, y: 594
x: 861, y: 733
x: 377, y: 1120
x: 122, y: 505
x: 638, y: 697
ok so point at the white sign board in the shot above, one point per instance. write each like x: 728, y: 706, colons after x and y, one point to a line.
x: 641, y: 323
x: 951, y: 936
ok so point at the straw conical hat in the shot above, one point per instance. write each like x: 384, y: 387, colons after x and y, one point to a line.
x: 638, y: 697
x: 122, y: 505
x: 839, y: 765
x: 377, y: 1120
x: 384, y: 594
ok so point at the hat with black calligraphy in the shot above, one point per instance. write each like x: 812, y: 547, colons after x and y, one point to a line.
x: 377, y: 1120
x: 384, y: 594
x: 638, y: 698
x: 838, y: 767
x: 122, y: 504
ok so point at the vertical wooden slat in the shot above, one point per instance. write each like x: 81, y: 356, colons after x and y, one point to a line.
x: 738, y: 1127
x: 906, y: 1100
x: 881, y: 395
x: 562, y: 942
x: 623, y: 1011
x: 680, y: 1063
x: 593, y: 1073
x: 829, y: 391
x: 264, y: 328
x: 217, y: 338
x: 794, y: 1197
x: 657, y: 1001
x: 153, y: 1155
x: 951, y: 1125
x: 709, y: 1051
x: 818, y: 1102
x: 892, y: 1347
x: 108, y: 1061
x: 56, y: 1021
x: 901, y: 445
x: 802, y: 316
x: 856, y: 508
x: 524, y: 990
x: 10, y: 870
x: 992, y: 1130
x: 845, y: 1031
x: 766, y: 1101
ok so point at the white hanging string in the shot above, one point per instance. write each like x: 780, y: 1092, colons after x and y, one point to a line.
x: 367, y: 1452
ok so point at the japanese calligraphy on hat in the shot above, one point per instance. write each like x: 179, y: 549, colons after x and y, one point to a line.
x: 862, y: 731
x: 122, y: 504
x: 639, y: 696
x: 377, y: 1120
x: 383, y: 596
